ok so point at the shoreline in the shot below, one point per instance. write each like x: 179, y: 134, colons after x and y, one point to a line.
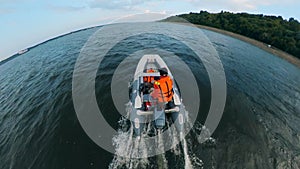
x: 277, y: 52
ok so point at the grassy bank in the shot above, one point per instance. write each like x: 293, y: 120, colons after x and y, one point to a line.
x: 274, y: 30
x: 290, y: 58
x: 271, y: 49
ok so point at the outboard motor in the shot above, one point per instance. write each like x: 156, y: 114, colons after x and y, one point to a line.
x: 159, y: 117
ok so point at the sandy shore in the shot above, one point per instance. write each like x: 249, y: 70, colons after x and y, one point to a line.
x: 292, y: 59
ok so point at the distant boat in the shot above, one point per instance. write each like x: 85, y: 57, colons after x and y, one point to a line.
x: 22, y: 51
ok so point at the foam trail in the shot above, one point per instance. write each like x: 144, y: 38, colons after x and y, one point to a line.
x: 128, y: 151
x: 187, y: 161
x: 192, y: 160
x: 161, y: 158
x: 143, y: 152
x: 175, y: 141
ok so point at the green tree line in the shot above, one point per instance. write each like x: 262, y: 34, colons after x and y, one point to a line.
x: 273, y: 30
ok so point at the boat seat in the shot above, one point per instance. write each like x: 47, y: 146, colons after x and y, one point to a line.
x: 141, y: 112
x: 174, y: 109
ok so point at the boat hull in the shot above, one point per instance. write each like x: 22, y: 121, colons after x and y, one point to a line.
x: 141, y: 115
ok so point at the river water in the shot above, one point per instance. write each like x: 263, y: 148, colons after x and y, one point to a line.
x: 39, y: 127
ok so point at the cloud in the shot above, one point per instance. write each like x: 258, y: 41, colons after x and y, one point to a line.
x: 10, y: 1
x: 237, y: 5
x: 64, y: 9
x: 9, y: 6
x: 4, y: 2
x: 115, y: 4
x: 147, y: 16
x: 232, y: 5
x: 4, y: 11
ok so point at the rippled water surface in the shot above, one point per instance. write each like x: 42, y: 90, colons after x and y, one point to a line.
x: 39, y: 128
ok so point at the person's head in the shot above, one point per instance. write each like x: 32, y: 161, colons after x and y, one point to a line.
x: 163, y: 71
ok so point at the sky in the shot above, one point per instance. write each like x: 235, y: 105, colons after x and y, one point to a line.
x: 24, y: 23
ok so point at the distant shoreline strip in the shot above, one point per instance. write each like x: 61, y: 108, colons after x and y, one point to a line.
x: 290, y: 58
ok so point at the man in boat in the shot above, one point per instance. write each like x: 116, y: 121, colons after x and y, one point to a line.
x: 149, y: 79
x: 163, y: 90
x: 147, y: 85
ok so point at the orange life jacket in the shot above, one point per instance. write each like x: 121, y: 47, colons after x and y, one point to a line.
x: 163, y: 89
x: 149, y: 79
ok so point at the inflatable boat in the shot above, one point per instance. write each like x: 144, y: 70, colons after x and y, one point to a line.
x: 143, y: 107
